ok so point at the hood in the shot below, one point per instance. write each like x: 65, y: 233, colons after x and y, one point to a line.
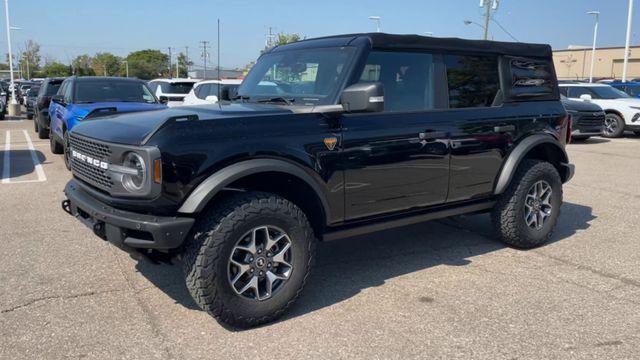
x: 95, y: 109
x: 575, y: 105
x: 136, y: 128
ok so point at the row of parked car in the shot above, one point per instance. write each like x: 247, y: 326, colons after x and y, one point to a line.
x: 607, y: 109
x: 58, y: 104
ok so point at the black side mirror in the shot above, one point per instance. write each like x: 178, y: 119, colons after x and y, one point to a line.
x: 228, y: 92
x: 59, y: 99
x: 363, y: 97
x: 163, y: 99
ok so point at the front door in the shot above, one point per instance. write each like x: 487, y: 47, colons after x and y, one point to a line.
x: 398, y: 159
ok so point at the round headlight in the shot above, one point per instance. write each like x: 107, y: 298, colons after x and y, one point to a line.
x: 134, y: 182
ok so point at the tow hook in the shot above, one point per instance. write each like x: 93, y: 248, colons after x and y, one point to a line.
x: 66, y: 206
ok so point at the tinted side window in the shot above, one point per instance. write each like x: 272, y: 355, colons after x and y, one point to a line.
x: 577, y: 91
x: 407, y: 79
x: 473, y: 81
x: 563, y: 91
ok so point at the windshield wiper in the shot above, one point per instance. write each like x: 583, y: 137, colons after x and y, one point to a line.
x: 240, y: 97
x: 277, y: 99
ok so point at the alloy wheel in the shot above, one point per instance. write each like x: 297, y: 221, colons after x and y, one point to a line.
x: 260, y: 263
x: 610, y: 126
x: 537, y: 205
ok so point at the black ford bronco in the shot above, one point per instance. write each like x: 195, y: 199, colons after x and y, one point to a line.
x: 325, y: 139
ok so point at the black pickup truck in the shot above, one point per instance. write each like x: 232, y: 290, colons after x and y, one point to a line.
x: 325, y: 139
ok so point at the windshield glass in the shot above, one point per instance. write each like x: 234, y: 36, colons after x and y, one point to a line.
x: 308, y: 77
x: 112, y: 91
x: 176, y: 88
x: 52, y: 88
x: 608, y: 92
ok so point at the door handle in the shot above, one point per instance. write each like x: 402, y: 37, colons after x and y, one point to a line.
x: 504, y: 128
x: 432, y: 135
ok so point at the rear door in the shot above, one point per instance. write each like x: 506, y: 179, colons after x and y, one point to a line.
x: 397, y: 159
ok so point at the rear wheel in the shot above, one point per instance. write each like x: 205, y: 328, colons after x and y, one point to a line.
x: 55, y: 146
x: 248, y: 258
x: 527, y: 212
x: 613, y: 126
x: 42, y: 132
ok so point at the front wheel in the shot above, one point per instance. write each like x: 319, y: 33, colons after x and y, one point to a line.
x: 55, y: 146
x: 613, y: 126
x: 527, y: 212
x: 248, y: 258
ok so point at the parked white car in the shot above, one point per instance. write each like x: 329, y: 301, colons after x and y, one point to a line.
x: 171, y: 91
x: 206, y: 91
x: 622, y: 111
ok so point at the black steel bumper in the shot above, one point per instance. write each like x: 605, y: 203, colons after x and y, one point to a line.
x: 123, y: 228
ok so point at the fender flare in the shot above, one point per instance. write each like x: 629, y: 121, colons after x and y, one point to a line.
x: 217, y: 181
x: 519, y: 152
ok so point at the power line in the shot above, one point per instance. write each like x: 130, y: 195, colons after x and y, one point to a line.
x: 505, y: 30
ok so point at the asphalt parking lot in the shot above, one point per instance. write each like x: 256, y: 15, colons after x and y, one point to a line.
x: 443, y: 289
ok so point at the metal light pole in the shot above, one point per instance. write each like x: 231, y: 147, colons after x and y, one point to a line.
x: 376, y: 19
x: 628, y: 40
x: 13, y: 87
x: 126, y: 67
x: 593, y: 48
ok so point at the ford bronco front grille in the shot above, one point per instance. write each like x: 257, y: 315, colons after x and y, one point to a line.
x: 86, y: 159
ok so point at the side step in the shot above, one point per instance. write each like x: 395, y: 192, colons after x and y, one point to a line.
x: 347, y: 231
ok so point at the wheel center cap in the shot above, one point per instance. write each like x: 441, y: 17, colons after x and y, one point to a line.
x: 260, y: 262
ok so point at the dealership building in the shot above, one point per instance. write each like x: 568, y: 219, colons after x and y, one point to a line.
x: 575, y: 62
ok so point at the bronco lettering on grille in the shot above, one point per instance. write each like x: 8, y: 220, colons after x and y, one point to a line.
x: 89, y: 160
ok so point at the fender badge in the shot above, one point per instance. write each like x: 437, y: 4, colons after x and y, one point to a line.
x: 330, y: 142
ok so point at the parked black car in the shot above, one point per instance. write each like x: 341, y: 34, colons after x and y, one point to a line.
x: 327, y: 138
x: 48, y: 88
x: 29, y: 101
x: 587, y: 119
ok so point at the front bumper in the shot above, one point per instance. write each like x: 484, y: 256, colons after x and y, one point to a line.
x: 123, y: 228
x: 587, y: 131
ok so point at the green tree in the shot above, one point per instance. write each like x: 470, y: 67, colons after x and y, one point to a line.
x: 147, y: 64
x: 55, y: 69
x: 82, y: 65
x: 183, y: 65
x: 283, y: 39
x: 106, y: 64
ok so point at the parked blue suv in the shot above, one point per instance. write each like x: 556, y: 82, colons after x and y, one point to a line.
x: 80, y: 99
x: 630, y: 87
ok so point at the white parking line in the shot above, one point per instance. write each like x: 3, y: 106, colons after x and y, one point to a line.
x: 6, y: 162
x: 6, y: 170
x: 34, y: 157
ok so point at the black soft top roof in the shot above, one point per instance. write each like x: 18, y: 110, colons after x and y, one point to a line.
x: 416, y: 42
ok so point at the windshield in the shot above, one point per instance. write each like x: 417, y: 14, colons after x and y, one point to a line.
x: 112, y: 91
x: 176, y: 87
x: 52, y: 88
x: 608, y: 92
x: 308, y: 77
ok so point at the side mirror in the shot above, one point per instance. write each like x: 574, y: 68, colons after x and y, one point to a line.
x: 59, y: 99
x: 228, y: 92
x: 163, y: 99
x: 585, y: 97
x: 211, y: 99
x: 363, y: 97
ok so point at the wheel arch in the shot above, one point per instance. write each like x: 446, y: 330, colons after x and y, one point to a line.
x: 616, y: 112
x: 268, y: 175
x: 541, y: 147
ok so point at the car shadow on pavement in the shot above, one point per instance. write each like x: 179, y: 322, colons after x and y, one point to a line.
x: 591, y: 140
x: 20, y: 162
x: 345, y: 268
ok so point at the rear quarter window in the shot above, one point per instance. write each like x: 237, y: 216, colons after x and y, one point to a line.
x: 531, y: 79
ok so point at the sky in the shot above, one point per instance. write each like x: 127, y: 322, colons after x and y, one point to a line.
x: 66, y: 28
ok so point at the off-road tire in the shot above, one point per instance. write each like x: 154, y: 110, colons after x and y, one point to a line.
x: 55, y: 146
x: 508, y: 214
x: 619, y: 129
x: 29, y: 117
x: 212, y: 240
x: 35, y: 125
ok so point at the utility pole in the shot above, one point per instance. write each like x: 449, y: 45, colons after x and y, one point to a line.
x: 170, y: 61
x: 13, y: 86
x: 628, y: 40
x: 186, y: 48
x: 218, y: 57
x: 126, y: 67
x: 204, y: 45
x: 270, y: 35
x: 488, y: 5
x: 593, y: 47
